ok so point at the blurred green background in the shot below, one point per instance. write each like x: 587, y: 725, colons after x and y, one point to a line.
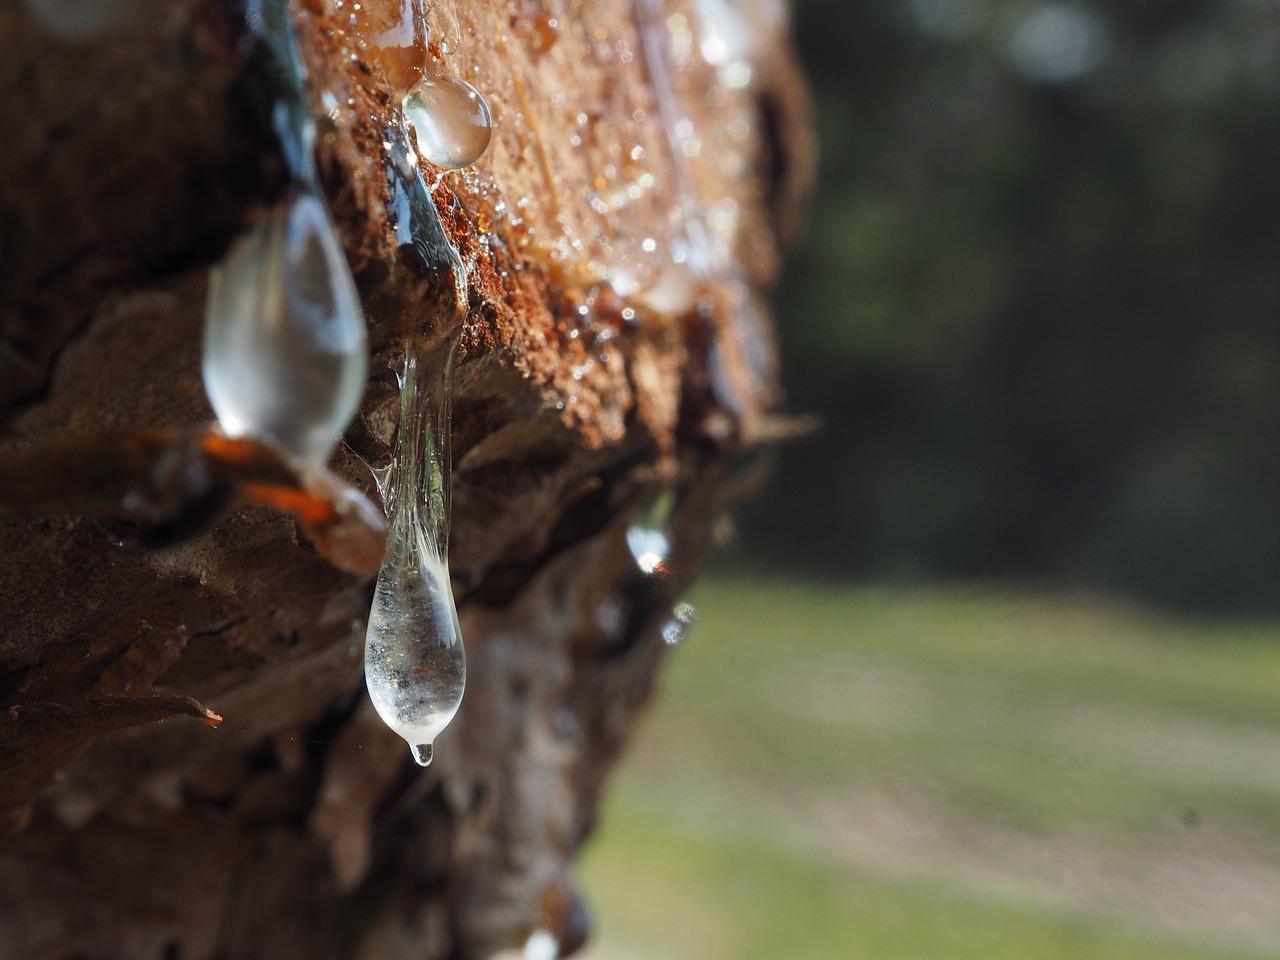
x: 839, y: 773
x: 994, y: 668
x: 1037, y: 307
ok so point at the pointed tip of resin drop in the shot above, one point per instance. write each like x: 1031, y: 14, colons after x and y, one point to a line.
x: 421, y: 754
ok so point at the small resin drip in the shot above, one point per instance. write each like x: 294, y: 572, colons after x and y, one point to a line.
x: 415, y: 667
x: 676, y: 630
x: 648, y: 538
x: 541, y: 945
x: 451, y: 119
x: 414, y: 216
x: 285, y: 352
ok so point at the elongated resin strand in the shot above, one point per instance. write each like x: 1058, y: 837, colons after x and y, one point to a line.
x: 415, y: 666
x: 414, y: 216
x: 280, y: 66
x: 285, y: 352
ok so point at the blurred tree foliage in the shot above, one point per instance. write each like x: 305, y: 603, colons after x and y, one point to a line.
x: 1038, y: 307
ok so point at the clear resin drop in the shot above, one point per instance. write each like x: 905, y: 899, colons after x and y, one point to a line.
x: 451, y: 120
x: 648, y: 537
x: 676, y: 630
x: 541, y: 945
x: 415, y: 666
x: 285, y: 352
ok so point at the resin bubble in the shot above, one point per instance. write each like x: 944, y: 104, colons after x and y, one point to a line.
x: 285, y: 352
x: 451, y: 120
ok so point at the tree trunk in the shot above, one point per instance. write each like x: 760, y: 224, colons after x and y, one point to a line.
x: 138, y: 144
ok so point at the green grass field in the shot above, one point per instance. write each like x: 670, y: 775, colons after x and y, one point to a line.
x: 837, y: 773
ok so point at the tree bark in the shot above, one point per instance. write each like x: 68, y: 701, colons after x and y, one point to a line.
x: 299, y: 827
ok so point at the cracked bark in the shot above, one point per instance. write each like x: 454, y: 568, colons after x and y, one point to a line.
x: 299, y: 827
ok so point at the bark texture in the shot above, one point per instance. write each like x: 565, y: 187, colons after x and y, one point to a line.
x: 299, y: 827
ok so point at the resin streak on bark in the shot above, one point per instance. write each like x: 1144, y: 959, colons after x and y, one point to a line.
x: 596, y: 371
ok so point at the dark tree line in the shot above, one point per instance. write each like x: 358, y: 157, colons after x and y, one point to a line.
x: 1037, y: 307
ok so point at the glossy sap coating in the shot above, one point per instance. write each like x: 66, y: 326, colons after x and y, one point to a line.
x: 451, y: 120
x: 394, y: 34
x: 285, y: 353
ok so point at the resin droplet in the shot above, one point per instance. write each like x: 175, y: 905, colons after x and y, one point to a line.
x: 676, y: 630
x: 394, y: 34
x: 451, y: 120
x: 647, y: 538
x: 285, y: 353
x: 415, y: 667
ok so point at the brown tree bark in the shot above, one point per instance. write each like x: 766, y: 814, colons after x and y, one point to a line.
x: 299, y: 827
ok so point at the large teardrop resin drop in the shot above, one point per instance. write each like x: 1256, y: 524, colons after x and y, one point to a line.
x: 415, y: 667
x: 414, y: 663
x: 285, y: 352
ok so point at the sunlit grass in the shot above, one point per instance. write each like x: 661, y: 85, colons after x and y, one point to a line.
x: 686, y: 894
x: 1002, y: 723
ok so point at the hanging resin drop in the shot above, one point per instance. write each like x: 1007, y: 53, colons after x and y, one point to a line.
x: 285, y: 353
x: 415, y: 666
x: 451, y: 119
